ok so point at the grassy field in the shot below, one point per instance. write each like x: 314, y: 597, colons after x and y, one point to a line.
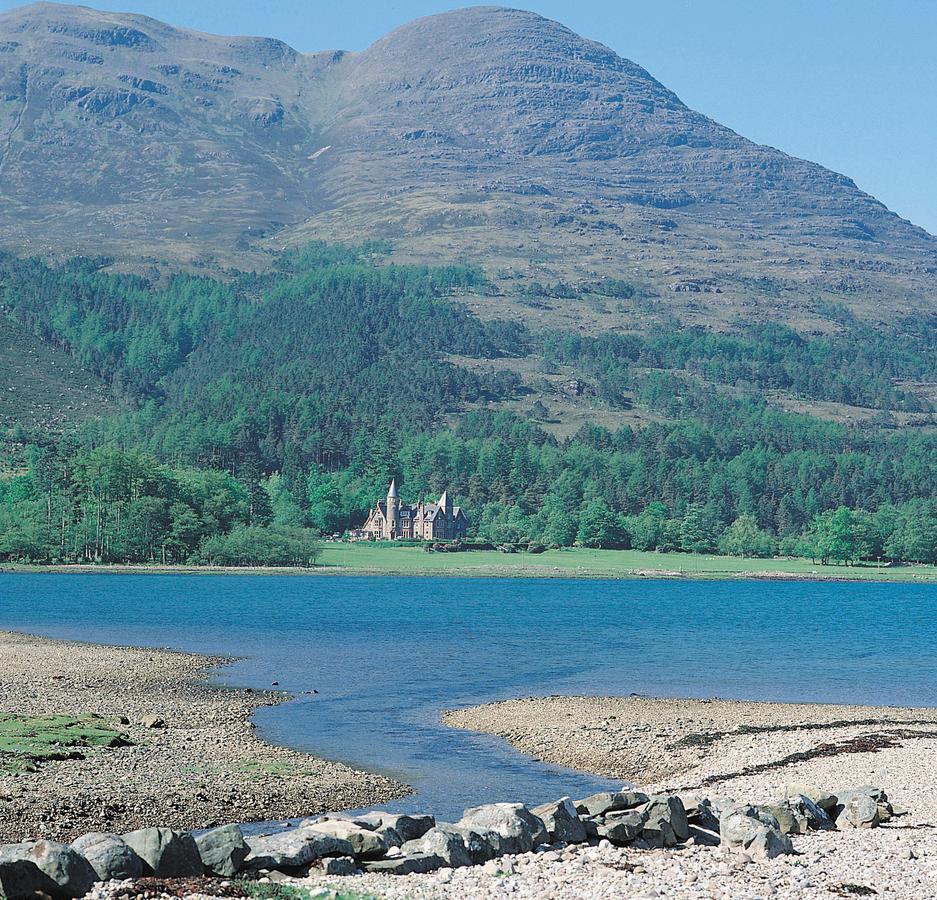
x: 581, y: 562
x: 388, y: 559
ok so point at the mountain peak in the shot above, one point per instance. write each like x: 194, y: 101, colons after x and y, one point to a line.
x: 121, y: 30
x: 488, y: 36
x: 71, y: 19
x: 479, y: 22
x: 487, y: 133
x: 510, y: 80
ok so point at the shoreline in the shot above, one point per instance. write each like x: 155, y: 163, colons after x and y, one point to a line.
x: 203, y: 765
x: 207, y: 766
x: 870, y: 576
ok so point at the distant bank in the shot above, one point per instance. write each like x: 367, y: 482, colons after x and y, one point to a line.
x: 375, y: 559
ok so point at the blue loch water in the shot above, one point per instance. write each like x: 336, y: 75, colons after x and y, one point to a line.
x: 387, y: 655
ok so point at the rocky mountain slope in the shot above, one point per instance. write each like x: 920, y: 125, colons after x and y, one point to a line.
x: 485, y: 134
x: 42, y: 388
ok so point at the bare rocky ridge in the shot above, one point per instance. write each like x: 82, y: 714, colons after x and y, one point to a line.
x: 487, y: 133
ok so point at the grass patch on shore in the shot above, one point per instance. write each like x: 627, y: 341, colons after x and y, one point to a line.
x: 583, y: 562
x: 28, y: 741
x: 291, y: 892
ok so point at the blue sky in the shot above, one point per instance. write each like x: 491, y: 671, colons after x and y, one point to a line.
x: 851, y: 84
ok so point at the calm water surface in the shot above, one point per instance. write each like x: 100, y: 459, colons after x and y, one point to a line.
x: 387, y: 655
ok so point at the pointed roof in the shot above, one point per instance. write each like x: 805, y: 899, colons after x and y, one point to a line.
x: 443, y: 500
x: 392, y: 490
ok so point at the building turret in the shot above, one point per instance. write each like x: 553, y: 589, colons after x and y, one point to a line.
x: 393, y: 512
x: 445, y: 509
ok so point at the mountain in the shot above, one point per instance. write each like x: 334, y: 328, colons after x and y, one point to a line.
x: 487, y: 135
x: 202, y: 333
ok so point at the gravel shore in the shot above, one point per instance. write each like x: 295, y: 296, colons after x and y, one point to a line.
x: 205, y: 766
x: 689, y: 744
x: 748, y: 751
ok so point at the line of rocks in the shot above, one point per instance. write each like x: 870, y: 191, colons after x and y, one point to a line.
x: 393, y: 844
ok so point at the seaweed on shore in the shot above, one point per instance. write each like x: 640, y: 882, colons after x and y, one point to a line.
x: 707, y: 738
x: 866, y: 743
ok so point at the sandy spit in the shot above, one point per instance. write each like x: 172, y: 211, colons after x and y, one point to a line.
x: 679, y: 744
x: 205, y: 766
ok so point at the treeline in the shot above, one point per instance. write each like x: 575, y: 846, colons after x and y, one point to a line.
x: 288, y: 400
x: 267, y: 371
x: 858, y: 366
x: 737, y: 472
x: 107, y: 505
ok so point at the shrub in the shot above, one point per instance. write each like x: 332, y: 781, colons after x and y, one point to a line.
x: 247, y: 545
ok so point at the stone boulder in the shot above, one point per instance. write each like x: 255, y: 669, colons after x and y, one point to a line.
x: 824, y: 800
x: 109, y: 856
x: 389, y: 836
x: 482, y: 846
x: 405, y: 865
x: 165, y: 853
x: 561, y: 821
x: 755, y: 831
x: 622, y: 827
x: 817, y: 818
x: 789, y: 818
x: 510, y: 827
x: 223, y: 850
x: 337, y: 865
x: 409, y: 828
x: 455, y: 846
x: 293, y: 849
x: 610, y: 801
x: 702, y: 815
x: 365, y: 843
x: 759, y: 813
x: 46, y: 866
x: 853, y: 807
x: 21, y: 877
x: 666, y: 817
x: 412, y: 825
x: 857, y: 810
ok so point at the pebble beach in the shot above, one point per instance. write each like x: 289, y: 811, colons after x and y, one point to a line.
x: 203, y: 764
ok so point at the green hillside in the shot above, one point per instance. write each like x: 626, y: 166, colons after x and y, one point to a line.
x: 288, y: 400
x: 43, y: 388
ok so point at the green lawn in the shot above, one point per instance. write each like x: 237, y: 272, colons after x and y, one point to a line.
x: 368, y: 557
